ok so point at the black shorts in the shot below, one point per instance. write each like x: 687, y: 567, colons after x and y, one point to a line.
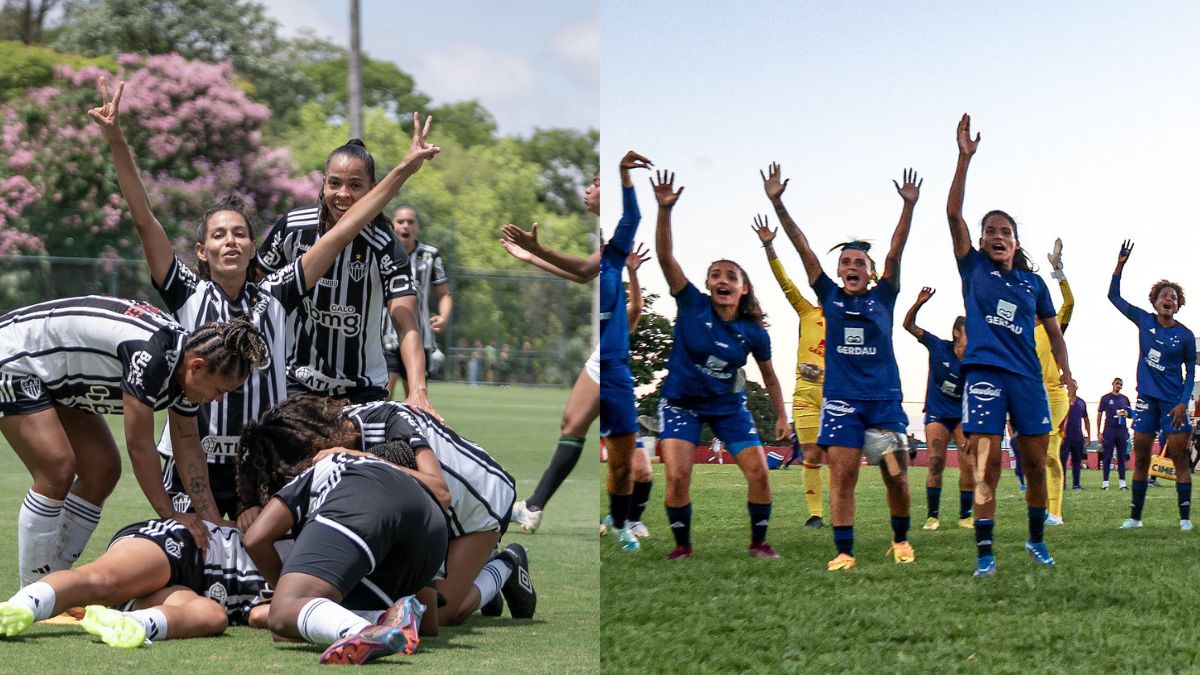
x: 376, y: 541
x: 185, y: 558
x: 23, y: 395
x: 395, y: 364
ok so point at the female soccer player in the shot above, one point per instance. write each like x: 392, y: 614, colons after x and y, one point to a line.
x: 222, y: 287
x: 810, y: 378
x: 1004, y: 300
x: 714, y: 335
x: 1112, y: 415
x: 943, y: 413
x: 67, y: 362
x: 477, y: 490
x: 862, y: 382
x: 1164, y: 346
x: 167, y: 585
x: 335, y: 343
x: 1056, y: 393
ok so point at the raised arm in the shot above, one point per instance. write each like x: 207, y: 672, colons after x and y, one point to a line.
x: 667, y: 195
x: 767, y: 236
x: 1114, y: 287
x: 585, y: 268
x: 910, y: 318
x: 774, y: 187
x: 636, y: 303
x: 1056, y: 271
x: 316, y: 260
x: 156, y: 246
x: 630, y: 214
x: 960, y: 235
x: 909, y: 192
x: 527, y: 257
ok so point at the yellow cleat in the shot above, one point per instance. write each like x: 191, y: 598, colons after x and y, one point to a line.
x: 932, y: 523
x: 966, y: 523
x: 902, y: 552
x: 113, y: 627
x: 842, y: 562
x: 14, y: 619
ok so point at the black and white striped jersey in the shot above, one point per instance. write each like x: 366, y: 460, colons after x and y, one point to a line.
x: 334, y: 344
x: 428, y: 270
x: 195, y: 302
x: 224, y: 572
x: 88, y: 351
x: 481, y: 491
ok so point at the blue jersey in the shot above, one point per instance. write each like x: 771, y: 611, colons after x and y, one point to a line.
x: 1110, y: 405
x: 1002, y: 311
x: 943, y: 393
x: 708, y: 351
x: 1161, y: 352
x: 859, y: 360
x: 614, y: 323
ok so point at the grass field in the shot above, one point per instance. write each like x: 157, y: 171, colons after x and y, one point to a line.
x: 1118, y: 601
x: 518, y: 426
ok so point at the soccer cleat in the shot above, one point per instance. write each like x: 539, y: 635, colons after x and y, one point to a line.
x: 627, y: 541
x: 1039, y: 553
x: 985, y: 566
x: 518, y: 590
x: 113, y: 627
x: 814, y: 523
x: 763, y: 550
x: 406, y: 615
x: 680, y: 552
x: 14, y: 619
x: 1122, y: 486
x: 902, y: 552
x: 966, y: 523
x: 606, y: 523
x: 1022, y: 487
x: 1104, y: 485
x: 638, y: 528
x: 1185, y: 525
x: 932, y: 523
x: 1076, y: 487
x: 1131, y: 524
x: 1052, y: 519
x: 370, y: 643
x: 843, y: 561
x: 528, y: 519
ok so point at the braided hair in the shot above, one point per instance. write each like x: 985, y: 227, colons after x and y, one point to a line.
x: 281, y: 444
x: 236, y: 205
x: 230, y: 349
x: 397, y: 452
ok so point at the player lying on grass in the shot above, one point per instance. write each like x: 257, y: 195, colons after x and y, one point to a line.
x: 475, y: 489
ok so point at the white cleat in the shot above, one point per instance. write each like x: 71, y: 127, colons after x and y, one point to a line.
x: 529, y: 520
x: 1185, y: 525
x: 1052, y: 519
x: 1131, y: 524
x: 638, y: 528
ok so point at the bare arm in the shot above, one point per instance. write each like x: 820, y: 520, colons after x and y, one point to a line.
x: 445, y: 306
x: 910, y: 318
x: 667, y: 195
x: 587, y: 268
x: 774, y: 187
x: 527, y: 257
x: 156, y: 246
x: 959, y: 233
x: 909, y: 192
x: 403, y: 311
x: 272, y: 523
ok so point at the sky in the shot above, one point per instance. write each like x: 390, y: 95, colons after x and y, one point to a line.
x: 533, y: 63
x: 1087, y: 113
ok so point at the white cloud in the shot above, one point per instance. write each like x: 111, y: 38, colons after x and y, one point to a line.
x: 577, y: 47
x: 295, y: 15
x: 458, y: 71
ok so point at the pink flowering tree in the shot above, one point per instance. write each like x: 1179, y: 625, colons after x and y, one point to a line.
x: 194, y: 132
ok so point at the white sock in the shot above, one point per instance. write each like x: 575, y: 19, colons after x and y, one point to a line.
x: 324, y: 622
x: 371, y: 615
x: 79, y: 520
x: 39, y: 597
x: 490, y: 579
x: 153, y: 620
x: 38, y: 524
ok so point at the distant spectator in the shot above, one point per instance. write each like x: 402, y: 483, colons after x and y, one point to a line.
x: 504, y: 365
x: 528, y: 376
x: 473, y: 364
x: 489, y: 362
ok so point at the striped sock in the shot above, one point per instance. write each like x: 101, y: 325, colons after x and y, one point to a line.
x: 153, y: 620
x: 79, y: 520
x: 38, y: 525
x: 490, y: 579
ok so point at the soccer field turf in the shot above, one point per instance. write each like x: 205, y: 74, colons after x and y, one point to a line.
x: 1118, y: 600
x: 519, y: 426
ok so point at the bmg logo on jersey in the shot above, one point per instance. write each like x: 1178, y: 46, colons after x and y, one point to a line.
x: 342, y: 318
x: 1006, y: 313
x: 1152, y: 359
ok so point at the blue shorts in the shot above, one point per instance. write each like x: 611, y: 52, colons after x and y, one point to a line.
x: 618, y: 408
x: 1152, y: 415
x: 844, y: 422
x: 991, y: 394
x: 731, y: 422
x: 948, y: 422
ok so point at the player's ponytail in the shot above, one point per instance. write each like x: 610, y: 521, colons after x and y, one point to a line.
x: 230, y: 349
x: 353, y: 149
x: 397, y: 452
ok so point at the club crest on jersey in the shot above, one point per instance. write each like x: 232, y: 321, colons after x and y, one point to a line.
x: 838, y: 408
x: 217, y: 593
x: 358, y: 270
x: 32, y: 387
x: 984, y: 391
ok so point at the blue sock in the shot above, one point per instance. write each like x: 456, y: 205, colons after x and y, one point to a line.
x: 618, y: 508
x: 760, y: 517
x: 933, y: 497
x: 1037, y: 523
x: 843, y: 538
x: 1183, y: 492
x: 899, y: 529
x: 965, y: 501
x: 680, y: 518
x: 983, y: 536
x: 1139, y: 499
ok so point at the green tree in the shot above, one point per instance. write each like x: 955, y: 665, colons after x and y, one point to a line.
x: 468, y: 121
x: 569, y: 159
x: 25, y: 20
x: 650, y: 345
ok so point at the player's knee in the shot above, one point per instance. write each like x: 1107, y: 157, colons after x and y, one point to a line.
x: 100, y: 478
x: 574, y: 424
x: 281, y: 620
x: 210, y: 617
x: 937, y: 465
x: 642, y: 473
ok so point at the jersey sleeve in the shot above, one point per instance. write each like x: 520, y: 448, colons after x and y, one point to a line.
x: 286, y: 285
x: 1114, y: 296
x: 438, y: 277
x: 799, y: 303
x: 271, y: 255
x: 931, y: 341
x: 761, y: 347
x: 824, y: 286
x: 401, y: 426
x: 395, y: 269
x: 295, y: 495
x: 622, y: 239
x: 1068, y: 304
x: 689, y: 296
x: 147, y: 373
x: 179, y: 285
x: 967, y: 261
